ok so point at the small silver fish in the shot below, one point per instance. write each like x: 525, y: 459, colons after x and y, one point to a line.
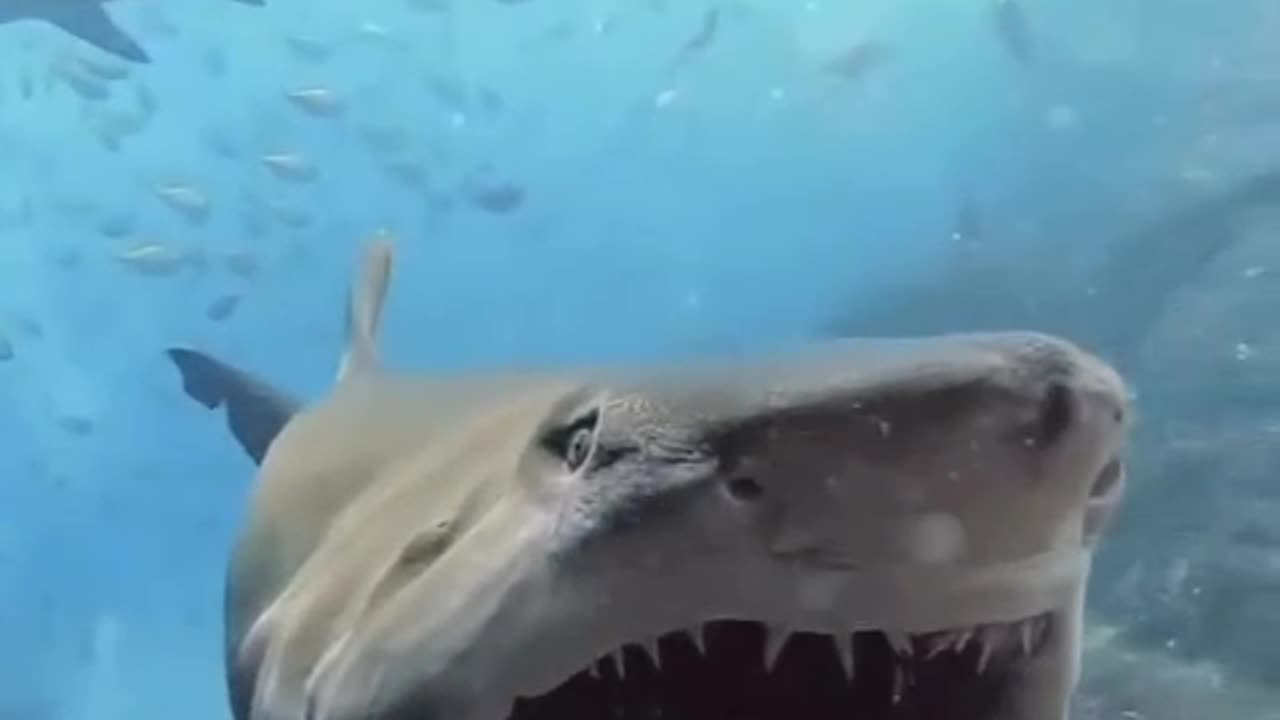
x: 223, y: 307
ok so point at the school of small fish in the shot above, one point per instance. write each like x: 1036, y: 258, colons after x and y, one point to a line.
x: 117, y: 104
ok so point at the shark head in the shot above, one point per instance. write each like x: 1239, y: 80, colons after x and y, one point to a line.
x: 863, y: 528
x: 879, y: 525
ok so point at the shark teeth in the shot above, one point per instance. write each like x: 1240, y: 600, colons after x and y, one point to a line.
x: 844, y: 651
x: 698, y: 636
x: 775, y: 639
x: 900, y: 642
x: 618, y: 661
x: 650, y: 648
x: 1022, y: 637
x: 1026, y: 637
x: 985, y: 642
x: 899, y: 684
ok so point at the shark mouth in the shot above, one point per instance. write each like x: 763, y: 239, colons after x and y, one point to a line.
x: 748, y: 671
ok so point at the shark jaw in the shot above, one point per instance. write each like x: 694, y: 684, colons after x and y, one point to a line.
x: 829, y: 661
x: 826, y: 639
x: 998, y: 642
x: 734, y: 668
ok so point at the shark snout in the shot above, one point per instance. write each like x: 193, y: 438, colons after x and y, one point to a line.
x: 959, y: 450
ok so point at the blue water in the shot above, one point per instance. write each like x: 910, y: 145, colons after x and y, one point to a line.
x: 737, y: 196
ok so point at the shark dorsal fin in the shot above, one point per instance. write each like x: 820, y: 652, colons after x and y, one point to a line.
x: 364, y: 308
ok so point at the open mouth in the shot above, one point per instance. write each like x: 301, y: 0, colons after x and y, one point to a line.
x: 740, y: 670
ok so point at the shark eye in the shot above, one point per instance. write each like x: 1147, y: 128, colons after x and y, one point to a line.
x: 579, y: 448
x: 574, y: 442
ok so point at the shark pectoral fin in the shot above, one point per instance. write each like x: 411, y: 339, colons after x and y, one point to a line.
x: 90, y: 22
x: 364, y: 309
x: 256, y: 412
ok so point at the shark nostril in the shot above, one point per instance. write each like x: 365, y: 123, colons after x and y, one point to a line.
x: 744, y: 488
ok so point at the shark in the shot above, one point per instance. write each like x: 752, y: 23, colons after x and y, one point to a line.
x: 851, y: 528
x: 85, y: 19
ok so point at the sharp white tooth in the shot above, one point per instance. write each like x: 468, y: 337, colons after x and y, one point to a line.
x: 988, y: 641
x: 698, y: 636
x: 1026, y: 634
x: 844, y: 650
x: 1041, y: 626
x: 900, y: 642
x: 594, y: 671
x: 775, y: 638
x: 619, y: 662
x: 899, y: 682
x: 651, y: 649
x: 962, y: 638
x: 938, y: 643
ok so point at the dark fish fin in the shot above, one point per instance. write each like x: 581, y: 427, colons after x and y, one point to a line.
x: 256, y: 412
x: 91, y: 23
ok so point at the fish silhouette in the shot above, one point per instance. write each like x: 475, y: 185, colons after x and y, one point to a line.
x: 85, y: 19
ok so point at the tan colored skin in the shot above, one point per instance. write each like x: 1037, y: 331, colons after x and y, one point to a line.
x: 414, y: 549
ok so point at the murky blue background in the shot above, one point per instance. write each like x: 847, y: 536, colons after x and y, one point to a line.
x: 807, y: 169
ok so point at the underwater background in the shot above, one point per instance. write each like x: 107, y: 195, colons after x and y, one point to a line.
x: 598, y: 180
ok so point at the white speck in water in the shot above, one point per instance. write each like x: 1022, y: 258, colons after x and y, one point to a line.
x: 1063, y: 117
x: 693, y: 300
x: 777, y: 94
x: 1243, y: 351
x: 811, y: 6
x: 935, y: 538
x: 106, y: 638
x: 666, y: 97
x: 1253, y: 272
x: 457, y: 120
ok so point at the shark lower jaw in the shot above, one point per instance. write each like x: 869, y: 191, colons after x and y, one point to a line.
x: 1002, y: 638
x: 748, y: 669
